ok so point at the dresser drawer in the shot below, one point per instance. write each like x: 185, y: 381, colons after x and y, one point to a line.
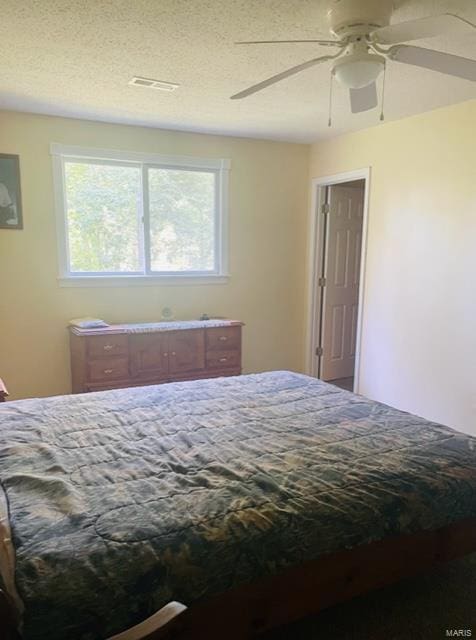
x: 98, y: 346
x: 108, y: 369
x: 222, y: 359
x: 223, y: 338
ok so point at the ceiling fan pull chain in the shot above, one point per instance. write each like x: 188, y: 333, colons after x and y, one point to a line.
x: 382, y: 114
x: 329, y: 122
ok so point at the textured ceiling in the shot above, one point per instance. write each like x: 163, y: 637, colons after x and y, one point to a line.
x: 75, y: 58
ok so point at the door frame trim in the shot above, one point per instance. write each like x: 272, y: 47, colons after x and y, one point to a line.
x: 318, y: 194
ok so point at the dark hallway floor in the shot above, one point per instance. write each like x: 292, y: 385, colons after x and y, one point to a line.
x: 343, y: 383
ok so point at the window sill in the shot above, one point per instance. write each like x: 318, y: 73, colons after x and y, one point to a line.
x: 140, y: 281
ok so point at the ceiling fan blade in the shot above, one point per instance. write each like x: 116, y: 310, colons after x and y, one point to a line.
x: 444, y: 24
x: 363, y: 99
x: 325, y: 43
x: 435, y: 61
x: 281, y: 76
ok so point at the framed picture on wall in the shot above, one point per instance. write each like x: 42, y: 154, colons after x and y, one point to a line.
x: 10, y: 192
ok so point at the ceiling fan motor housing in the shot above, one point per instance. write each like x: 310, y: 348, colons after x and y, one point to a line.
x: 358, y: 17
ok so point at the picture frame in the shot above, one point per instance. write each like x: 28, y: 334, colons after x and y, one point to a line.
x: 11, y: 214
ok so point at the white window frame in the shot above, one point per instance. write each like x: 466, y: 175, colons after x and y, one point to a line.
x: 70, y: 153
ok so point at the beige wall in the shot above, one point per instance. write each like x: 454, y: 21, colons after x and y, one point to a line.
x: 419, y: 326
x: 268, y: 208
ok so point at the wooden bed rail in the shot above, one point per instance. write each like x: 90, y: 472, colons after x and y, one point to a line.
x: 159, y: 620
x: 251, y: 609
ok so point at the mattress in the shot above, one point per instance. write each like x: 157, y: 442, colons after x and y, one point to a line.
x: 121, y: 501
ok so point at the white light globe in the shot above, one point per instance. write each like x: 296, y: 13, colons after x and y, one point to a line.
x: 355, y: 72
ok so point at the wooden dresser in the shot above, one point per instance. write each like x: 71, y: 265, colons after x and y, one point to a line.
x: 139, y: 354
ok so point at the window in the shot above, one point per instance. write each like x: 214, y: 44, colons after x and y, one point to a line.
x: 139, y: 217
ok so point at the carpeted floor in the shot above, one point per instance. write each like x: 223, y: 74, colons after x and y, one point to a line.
x: 421, y: 608
x: 343, y: 383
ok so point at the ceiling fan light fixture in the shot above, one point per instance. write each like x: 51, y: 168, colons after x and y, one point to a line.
x: 357, y: 71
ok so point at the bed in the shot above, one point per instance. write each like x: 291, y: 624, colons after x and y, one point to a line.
x: 117, y: 503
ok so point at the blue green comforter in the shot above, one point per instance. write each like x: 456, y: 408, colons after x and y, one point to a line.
x: 124, y: 500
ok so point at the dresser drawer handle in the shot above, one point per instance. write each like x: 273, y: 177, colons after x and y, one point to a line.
x: 166, y: 355
x: 223, y: 338
x: 173, y: 353
x: 223, y: 359
x: 108, y: 347
x: 108, y: 371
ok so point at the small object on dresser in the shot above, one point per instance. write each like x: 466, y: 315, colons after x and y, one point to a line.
x: 88, y: 323
x: 205, y: 317
x: 3, y: 391
x: 167, y: 314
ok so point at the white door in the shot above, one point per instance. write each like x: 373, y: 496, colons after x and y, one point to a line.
x: 342, y: 272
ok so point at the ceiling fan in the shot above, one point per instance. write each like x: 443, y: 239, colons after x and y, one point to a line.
x: 365, y: 41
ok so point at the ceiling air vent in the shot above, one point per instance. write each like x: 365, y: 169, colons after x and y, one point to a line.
x: 149, y: 83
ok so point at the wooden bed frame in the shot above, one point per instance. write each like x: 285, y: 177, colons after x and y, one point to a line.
x: 249, y: 610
